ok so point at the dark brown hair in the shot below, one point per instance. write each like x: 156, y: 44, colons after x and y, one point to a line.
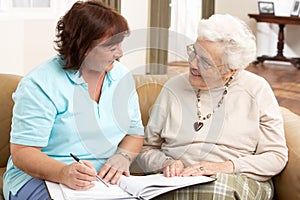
x: 85, y: 24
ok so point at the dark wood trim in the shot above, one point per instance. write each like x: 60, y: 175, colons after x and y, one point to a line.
x: 208, y: 8
x: 160, y: 17
x: 116, y: 4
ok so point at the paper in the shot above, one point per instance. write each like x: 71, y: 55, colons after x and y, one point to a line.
x: 150, y: 186
x: 132, y: 187
x: 100, y: 191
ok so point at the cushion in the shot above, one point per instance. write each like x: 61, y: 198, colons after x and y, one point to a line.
x: 2, y: 170
x: 287, y: 183
x: 8, y: 85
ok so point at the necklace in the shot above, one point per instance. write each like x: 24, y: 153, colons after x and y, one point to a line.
x: 199, y: 124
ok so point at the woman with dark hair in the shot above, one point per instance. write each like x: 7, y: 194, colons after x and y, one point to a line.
x: 82, y: 101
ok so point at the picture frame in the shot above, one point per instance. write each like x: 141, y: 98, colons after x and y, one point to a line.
x: 266, y: 8
x: 295, y: 10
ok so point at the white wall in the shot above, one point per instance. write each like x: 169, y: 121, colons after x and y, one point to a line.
x: 11, y: 48
x: 28, y: 41
x: 266, y: 33
x: 27, y: 36
x: 239, y: 9
x: 24, y: 44
x: 135, y: 55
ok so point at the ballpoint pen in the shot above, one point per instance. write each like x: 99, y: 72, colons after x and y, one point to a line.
x: 98, y: 177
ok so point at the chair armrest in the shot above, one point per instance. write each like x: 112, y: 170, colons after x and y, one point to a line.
x: 287, y: 183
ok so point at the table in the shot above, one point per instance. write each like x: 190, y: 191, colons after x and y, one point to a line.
x: 281, y: 21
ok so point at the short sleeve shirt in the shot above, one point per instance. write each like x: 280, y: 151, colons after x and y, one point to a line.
x: 53, y: 110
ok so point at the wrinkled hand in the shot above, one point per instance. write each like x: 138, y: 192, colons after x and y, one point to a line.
x: 79, y: 176
x: 208, y: 168
x: 172, y: 168
x: 114, y: 168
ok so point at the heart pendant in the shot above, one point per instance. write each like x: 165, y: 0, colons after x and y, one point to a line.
x: 198, y: 125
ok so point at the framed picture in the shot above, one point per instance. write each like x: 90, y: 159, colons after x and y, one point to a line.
x: 295, y: 8
x: 266, y: 8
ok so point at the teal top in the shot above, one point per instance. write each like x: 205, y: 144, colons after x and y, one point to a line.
x: 53, y: 110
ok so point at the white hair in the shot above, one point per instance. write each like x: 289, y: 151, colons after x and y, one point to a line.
x: 240, y: 43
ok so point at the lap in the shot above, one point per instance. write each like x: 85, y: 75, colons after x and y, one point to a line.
x: 35, y: 189
x: 226, y: 187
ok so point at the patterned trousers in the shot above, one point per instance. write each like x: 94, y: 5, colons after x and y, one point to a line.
x: 226, y: 187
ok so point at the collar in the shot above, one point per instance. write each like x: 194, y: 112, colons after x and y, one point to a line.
x: 75, y: 77
x: 113, y: 73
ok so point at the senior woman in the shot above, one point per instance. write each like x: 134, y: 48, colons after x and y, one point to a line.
x: 218, y: 119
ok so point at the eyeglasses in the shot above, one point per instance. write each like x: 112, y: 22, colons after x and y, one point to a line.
x: 190, y: 50
x: 204, y: 61
x: 201, y: 61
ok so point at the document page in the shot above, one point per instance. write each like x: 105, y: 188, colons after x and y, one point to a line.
x: 100, y: 191
x: 147, y: 187
x: 132, y: 187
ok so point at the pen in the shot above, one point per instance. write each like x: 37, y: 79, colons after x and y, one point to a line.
x: 98, y: 177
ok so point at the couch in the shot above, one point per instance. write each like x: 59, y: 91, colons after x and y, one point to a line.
x: 287, y: 183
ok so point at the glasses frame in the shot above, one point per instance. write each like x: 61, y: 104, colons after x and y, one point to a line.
x: 204, y: 62
x: 201, y: 61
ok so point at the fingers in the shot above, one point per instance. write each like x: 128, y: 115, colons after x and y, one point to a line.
x: 166, y: 171
x: 78, y: 184
x: 194, y: 171
x: 202, y: 168
x: 103, y: 171
x: 86, y: 168
x: 171, y: 171
x: 107, y: 173
x: 88, y: 164
x: 174, y: 169
x: 112, y: 174
x: 115, y: 177
x: 208, y: 168
x: 78, y: 176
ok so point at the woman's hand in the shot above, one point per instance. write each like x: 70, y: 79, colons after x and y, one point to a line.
x: 208, y: 168
x: 119, y: 163
x: 114, y: 168
x: 79, y: 176
x: 39, y: 165
x: 172, y: 168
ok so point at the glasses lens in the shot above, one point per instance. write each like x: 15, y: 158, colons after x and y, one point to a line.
x: 203, y: 62
x: 191, y: 52
x: 202, y: 57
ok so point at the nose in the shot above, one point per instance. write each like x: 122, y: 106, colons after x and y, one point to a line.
x: 119, y: 52
x: 193, y: 63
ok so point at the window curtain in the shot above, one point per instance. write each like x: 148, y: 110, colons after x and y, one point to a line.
x: 116, y: 4
x: 157, y: 54
x: 185, y: 16
x: 208, y: 8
